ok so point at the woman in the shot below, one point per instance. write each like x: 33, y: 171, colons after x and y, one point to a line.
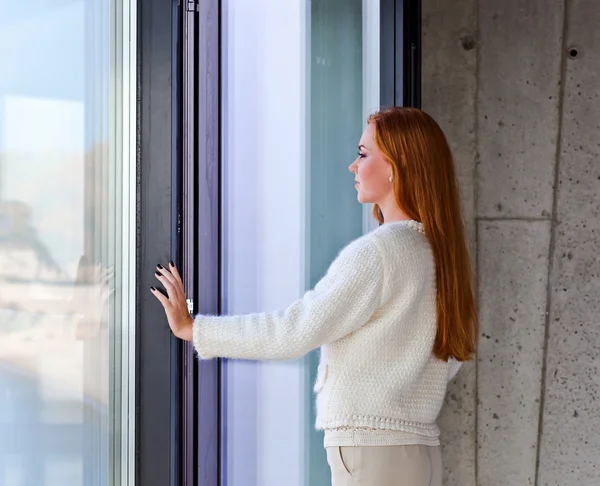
x: 394, y: 315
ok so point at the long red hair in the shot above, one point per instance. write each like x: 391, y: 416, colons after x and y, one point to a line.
x: 427, y: 191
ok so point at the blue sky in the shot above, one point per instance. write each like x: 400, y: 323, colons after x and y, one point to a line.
x: 43, y: 106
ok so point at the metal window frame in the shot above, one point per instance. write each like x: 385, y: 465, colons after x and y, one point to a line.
x: 186, y: 237
x: 157, y: 351
x: 178, y: 218
x: 400, y: 53
x: 208, y: 220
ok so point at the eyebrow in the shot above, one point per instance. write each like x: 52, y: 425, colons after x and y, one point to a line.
x: 362, y: 147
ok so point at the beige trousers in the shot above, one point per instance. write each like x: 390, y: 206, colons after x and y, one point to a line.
x: 411, y: 465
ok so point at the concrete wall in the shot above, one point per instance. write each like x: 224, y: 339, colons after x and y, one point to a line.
x: 515, y: 86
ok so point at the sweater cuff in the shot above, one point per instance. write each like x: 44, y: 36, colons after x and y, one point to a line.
x: 201, y: 338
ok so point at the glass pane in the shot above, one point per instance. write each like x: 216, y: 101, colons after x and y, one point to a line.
x: 66, y: 254
x: 300, y: 79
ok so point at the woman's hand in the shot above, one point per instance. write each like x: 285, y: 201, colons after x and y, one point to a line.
x: 175, y: 305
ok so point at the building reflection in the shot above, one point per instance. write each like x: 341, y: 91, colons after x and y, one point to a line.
x: 53, y: 357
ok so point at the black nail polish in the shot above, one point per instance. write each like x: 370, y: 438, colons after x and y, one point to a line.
x: 160, y: 266
x: 157, y: 274
x: 153, y: 289
x: 171, y: 263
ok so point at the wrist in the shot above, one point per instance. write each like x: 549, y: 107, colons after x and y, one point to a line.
x: 185, y: 331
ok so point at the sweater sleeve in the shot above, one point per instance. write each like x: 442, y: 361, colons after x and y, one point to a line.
x: 341, y: 303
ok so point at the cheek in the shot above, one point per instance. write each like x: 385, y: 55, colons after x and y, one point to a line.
x: 371, y: 178
x: 365, y: 172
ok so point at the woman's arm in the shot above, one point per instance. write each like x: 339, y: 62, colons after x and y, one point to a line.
x: 341, y: 303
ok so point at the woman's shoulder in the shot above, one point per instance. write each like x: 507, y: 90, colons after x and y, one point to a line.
x: 397, y: 238
x: 362, y: 248
x: 388, y: 242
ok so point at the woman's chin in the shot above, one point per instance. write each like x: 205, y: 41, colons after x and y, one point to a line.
x: 362, y: 199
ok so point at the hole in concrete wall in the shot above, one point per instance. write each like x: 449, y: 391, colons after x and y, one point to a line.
x: 573, y: 52
x: 468, y: 42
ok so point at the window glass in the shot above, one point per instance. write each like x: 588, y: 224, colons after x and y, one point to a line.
x: 299, y: 79
x: 67, y: 227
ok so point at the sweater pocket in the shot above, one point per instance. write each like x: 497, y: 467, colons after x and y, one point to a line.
x: 322, y: 372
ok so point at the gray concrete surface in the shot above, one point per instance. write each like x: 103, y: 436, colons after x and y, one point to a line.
x: 521, y: 110
x: 449, y: 83
x: 570, y: 443
x: 518, y: 88
x: 513, y: 282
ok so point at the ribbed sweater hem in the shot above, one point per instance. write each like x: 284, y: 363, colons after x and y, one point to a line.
x: 381, y: 423
x: 362, y: 437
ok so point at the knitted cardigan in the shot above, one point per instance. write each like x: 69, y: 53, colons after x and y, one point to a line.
x: 374, y: 316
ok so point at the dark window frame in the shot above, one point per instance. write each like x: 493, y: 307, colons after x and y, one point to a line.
x: 208, y: 229
x: 157, y: 396
x: 400, y: 53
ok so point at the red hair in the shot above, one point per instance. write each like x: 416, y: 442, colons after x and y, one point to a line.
x: 427, y: 191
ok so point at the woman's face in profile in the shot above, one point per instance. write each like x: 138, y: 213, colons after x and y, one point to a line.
x: 371, y: 171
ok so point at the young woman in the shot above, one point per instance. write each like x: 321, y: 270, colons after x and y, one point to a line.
x: 394, y: 315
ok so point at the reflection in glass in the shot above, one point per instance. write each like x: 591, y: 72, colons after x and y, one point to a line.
x: 300, y: 79
x: 65, y: 243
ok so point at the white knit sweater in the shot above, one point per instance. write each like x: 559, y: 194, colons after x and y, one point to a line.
x: 374, y: 316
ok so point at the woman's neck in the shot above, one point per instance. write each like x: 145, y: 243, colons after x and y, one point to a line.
x: 393, y: 214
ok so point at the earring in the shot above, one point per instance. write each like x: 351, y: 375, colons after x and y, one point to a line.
x: 391, y: 179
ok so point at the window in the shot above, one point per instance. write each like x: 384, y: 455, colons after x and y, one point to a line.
x: 67, y: 242
x: 299, y: 80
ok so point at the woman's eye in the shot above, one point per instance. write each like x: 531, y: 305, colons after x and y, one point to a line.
x: 361, y: 155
